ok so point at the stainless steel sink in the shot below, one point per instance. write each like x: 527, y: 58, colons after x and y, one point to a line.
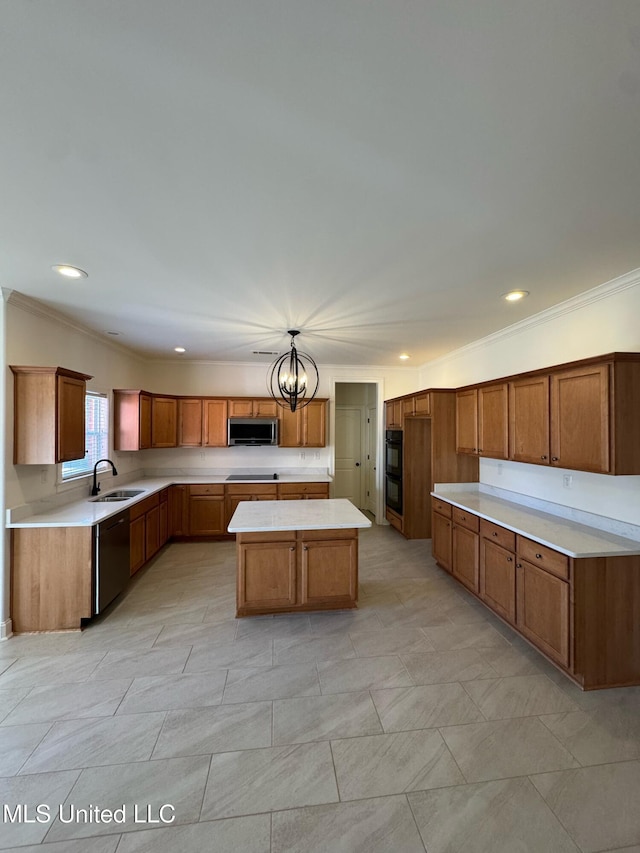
x: 118, y: 495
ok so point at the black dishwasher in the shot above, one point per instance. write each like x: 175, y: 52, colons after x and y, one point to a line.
x: 111, y: 559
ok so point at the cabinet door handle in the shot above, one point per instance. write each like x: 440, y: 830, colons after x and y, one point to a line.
x: 554, y: 458
x: 494, y: 533
x: 293, y: 548
x: 538, y: 556
x: 543, y: 457
x: 509, y: 559
x: 518, y: 565
x: 305, y: 548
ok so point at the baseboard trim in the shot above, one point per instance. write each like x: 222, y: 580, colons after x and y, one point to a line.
x: 6, y: 629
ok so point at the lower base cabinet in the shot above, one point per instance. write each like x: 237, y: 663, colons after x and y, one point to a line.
x: 148, y: 529
x: 293, y: 571
x: 543, y: 610
x: 581, y: 613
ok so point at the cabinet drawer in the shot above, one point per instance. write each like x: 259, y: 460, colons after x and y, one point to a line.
x: 266, y: 536
x: 252, y: 489
x: 500, y: 535
x: 442, y: 507
x: 207, y: 489
x: 303, y: 488
x: 144, y: 506
x: 543, y: 557
x: 466, y: 519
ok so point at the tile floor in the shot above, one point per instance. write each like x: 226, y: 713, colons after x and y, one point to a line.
x: 418, y: 722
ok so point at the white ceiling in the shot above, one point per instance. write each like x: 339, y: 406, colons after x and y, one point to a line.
x: 373, y: 173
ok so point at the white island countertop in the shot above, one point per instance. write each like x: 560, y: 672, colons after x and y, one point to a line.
x: 265, y: 516
x: 584, y: 535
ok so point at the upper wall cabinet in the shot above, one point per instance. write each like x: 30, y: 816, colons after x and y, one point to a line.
x: 529, y: 420
x: 482, y: 421
x: 246, y: 407
x: 49, y: 421
x: 305, y: 427
x: 202, y: 422
x: 393, y: 414
x: 131, y: 420
x: 164, y: 421
x: 581, y: 416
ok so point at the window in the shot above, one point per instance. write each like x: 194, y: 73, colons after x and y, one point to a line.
x: 96, y: 410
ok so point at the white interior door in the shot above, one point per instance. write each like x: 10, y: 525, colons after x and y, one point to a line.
x: 348, y: 471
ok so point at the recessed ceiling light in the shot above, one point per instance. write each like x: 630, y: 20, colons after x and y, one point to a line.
x: 179, y: 349
x: 515, y: 295
x: 69, y: 271
x: 404, y: 356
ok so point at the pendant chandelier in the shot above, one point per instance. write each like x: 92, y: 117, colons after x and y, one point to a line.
x: 293, y: 377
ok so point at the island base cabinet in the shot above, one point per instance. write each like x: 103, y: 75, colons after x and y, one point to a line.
x: 290, y: 571
x: 329, y: 573
x: 543, y: 610
x: 266, y: 577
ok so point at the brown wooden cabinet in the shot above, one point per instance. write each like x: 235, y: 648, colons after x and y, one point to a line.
x: 267, y: 573
x: 482, y: 421
x: 543, y: 610
x: 498, y: 569
x: 214, y: 424
x: 441, y: 539
x: 164, y: 517
x: 305, y: 427
x: 131, y: 419
x: 493, y: 421
x: 49, y: 415
x: 302, y: 491
x: 467, y: 421
x: 178, y: 510
x: 328, y: 570
x: 236, y: 492
x: 51, y: 578
x: 465, y: 548
x: 393, y: 414
x: 207, y: 510
x: 580, y: 421
x: 258, y: 407
x: 190, y: 417
x: 289, y: 571
x: 164, y: 421
x: 144, y: 531
x: 202, y: 422
x: 529, y: 420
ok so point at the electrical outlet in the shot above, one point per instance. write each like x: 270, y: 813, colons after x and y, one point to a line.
x: 202, y: 454
x: 317, y: 454
x: 567, y: 481
x: 43, y: 475
x: 302, y: 454
x: 500, y: 469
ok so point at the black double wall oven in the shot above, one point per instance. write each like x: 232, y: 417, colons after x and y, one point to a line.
x: 393, y: 469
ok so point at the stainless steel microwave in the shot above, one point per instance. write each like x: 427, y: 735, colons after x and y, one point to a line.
x: 252, y: 432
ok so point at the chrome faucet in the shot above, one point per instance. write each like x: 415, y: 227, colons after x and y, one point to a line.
x: 96, y: 485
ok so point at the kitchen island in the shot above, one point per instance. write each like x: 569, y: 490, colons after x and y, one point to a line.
x: 296, y: 556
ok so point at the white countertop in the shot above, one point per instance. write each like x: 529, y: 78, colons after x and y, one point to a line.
x: 87, y: 512
x: 264, y: 516
x: 567, y: 536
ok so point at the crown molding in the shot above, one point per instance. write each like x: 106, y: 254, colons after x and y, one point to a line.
x: 575, y: 303
x: 39, y: 309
